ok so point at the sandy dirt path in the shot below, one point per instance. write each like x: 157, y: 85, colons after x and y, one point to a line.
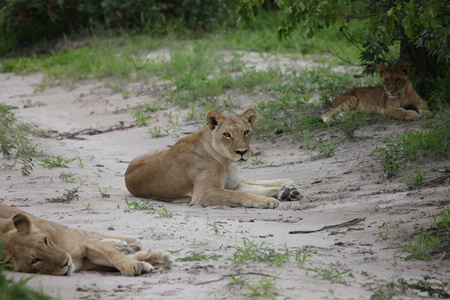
x: 349, y: 185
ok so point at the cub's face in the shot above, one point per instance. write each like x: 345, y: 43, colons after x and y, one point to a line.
x: 394, y: 78
x: 231, y: 135
x: 30, y: 251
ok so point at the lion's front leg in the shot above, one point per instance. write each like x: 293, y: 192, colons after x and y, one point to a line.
x: 210, y: 196
x: 102, y: 254
x: 281, y: 189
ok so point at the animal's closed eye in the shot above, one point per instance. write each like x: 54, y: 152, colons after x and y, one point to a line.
x: 246, y: 132
x: 46, y: 241
x: 35, y: 261
x: 386, y: 81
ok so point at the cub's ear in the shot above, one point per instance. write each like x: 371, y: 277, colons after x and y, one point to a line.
x: 250, y: 116
x: 405, y: 67
x: 380, y: 69
x: 213, y: 119
x: 23, y: 223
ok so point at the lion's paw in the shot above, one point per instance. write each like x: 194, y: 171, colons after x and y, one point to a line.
x: 160, y: 258
x: 288, y: 193
x: 135, y: 268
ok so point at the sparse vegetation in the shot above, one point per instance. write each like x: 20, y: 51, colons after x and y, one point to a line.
x: 330, y: 274
x: 143, y: 204
x: 433, y: 240
x: 67, y: 197
x: 196, y: 256
x: 213, y: 225
x: 254, y: 252
x: 58, y: 162
x: 15, y: 142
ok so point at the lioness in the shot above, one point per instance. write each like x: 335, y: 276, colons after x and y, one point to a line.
x: 202, y: 168
x: 391, y: 99
x: 34, y: 245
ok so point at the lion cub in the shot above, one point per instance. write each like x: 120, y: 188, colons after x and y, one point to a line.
x: 391, y: 99
x: 202, y: 168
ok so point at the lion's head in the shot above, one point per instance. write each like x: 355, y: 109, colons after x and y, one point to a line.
x: 394, y: 78
x: 30, y: 251
x: 231, y: 135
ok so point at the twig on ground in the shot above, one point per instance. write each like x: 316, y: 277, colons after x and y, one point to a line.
x: 345, y: 224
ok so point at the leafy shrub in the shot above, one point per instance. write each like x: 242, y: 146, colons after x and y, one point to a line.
x: 25, y: 22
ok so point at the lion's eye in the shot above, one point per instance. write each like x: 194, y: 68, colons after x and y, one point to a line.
x: 246, y: 132
x: 397, y: 80
x: 46, y: 241
x: 35, y: 261
x: 227, y: 135
x: 386, y: 81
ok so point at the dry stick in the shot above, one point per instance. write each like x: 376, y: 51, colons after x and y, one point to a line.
x: 90, y: 131
x: 345, y: 224
x: 225, y: 276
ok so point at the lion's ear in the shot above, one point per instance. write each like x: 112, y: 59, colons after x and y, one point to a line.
x: 250, y: 116
x: 380, y: 69
x: 405, y: 67
x: 213, y: 119
x: 23, y: 223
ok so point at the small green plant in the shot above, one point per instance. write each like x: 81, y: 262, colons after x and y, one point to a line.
x: 67, y: 197
x: 212, y: 224
x: 57, y: 162
x: 384, y: 234
x: 301, y: 257
x: 160, y: 236
x: 416, y: 180
x: 163, y: 213
x: 195, y: 256
x: 257, y: 161
x: 237, y: 281
x: 140, y: 118
x: 153, y: 108
x: 254, y: 252
x: 137, y: 205
x: 329, y: 274
x: 68, y: 177
x: 326, y: 149
x: 157, y: 132
x: 265, y: 288
x: 103, y: 192
x: 87, y: 206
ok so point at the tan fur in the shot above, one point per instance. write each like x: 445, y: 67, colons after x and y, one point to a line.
x: 391, y: 99
x: 201, y: 168
x: 34, y: 245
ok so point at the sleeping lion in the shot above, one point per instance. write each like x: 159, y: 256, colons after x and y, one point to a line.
x: 34, y: 245
x: 394, y: 99
x: 202, y: 168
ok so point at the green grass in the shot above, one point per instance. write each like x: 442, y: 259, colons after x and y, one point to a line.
x: 414, y: 146
x: 434, y: 240
x: 57, y: 162
x: 67, y: 197
x: 259, y: 253
x: 195, y: 256
x: 15, y: 136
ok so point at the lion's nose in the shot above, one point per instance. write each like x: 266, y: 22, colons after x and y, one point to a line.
x: 241, y: 152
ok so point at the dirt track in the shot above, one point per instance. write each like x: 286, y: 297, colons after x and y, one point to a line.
x: 346, y: 186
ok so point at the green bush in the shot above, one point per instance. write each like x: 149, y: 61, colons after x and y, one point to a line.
x: 30, y: 21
